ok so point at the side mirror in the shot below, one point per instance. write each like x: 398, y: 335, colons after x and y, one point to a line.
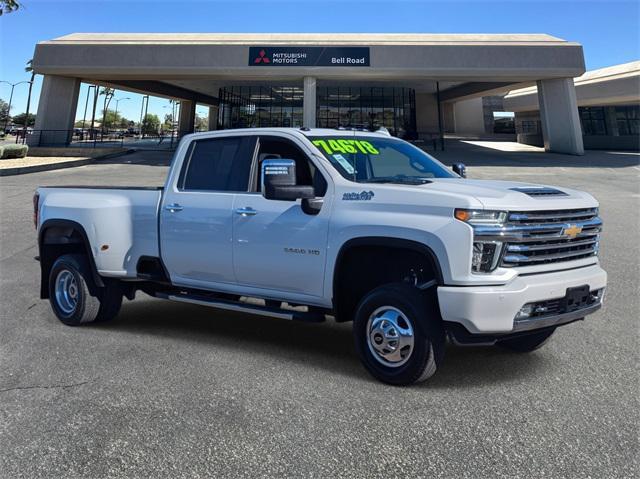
x: 460, y: 169
x: 279, y: 181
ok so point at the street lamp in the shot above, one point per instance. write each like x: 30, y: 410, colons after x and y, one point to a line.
x: 118, y: 100
x: 13, y: 85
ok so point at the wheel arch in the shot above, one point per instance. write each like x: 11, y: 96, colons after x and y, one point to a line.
x: 398, y: 245
x: 57, y: 237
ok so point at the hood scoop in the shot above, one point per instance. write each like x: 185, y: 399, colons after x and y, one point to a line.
x: 536, y: 191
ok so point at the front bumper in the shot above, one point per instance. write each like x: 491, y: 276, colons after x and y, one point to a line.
x: 493, y: 309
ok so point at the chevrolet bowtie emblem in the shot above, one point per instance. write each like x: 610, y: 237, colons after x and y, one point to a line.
x: 572, y: 231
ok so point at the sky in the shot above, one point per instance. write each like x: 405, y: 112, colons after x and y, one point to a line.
x: 608, y: 30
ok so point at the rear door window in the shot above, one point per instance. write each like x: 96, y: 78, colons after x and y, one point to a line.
x: 218, y: 164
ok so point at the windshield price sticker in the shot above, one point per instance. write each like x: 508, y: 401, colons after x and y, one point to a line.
x: 346, y: 146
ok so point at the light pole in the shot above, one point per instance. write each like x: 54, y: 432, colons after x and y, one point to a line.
x: 145, y: 99
x: 86, y: 104
x: 13, y: 85
x: 118, y: 100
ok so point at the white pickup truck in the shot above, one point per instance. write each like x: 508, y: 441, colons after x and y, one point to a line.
x: 303, y: 223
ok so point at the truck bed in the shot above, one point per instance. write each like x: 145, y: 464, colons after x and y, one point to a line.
x: 120, y: 222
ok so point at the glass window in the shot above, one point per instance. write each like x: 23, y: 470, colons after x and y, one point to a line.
x: 370, y: 159
x: 592, y: 120
x: 628, y: 120
x: 218, y: 165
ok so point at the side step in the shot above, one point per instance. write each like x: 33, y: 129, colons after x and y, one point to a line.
x: 242, y: 307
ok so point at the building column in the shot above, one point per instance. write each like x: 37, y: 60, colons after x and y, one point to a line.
x: 213, y: 118
x: 187, y: 117
x: 559, y: 116
x: 309, y: 103
x: 56, y: 111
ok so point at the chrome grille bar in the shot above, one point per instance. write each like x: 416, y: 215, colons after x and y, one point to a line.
x: 541, y: 237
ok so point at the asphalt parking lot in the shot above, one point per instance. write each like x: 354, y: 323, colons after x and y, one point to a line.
x: 173, y: 390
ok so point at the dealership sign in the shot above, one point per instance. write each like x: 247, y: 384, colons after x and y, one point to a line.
x: 309, y: 56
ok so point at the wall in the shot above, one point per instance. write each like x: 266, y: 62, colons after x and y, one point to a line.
x: 469, y: 117
x: 426, y: 113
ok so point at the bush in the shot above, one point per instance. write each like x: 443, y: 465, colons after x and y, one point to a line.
x: 13, y: 151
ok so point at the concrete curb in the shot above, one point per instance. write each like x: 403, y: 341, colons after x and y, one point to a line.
x: 21, y: 170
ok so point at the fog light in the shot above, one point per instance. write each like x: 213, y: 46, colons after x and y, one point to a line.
x: 525, y: 312
x: 597, y: 296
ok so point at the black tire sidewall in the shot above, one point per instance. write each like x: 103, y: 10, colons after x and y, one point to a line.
x: 69, y: 263
x: 416, y: 305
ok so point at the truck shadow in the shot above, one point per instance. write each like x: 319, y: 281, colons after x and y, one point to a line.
x: 324, y: 346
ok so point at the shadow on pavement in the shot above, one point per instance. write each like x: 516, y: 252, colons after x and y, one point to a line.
x: 324, y: 346
x: 144, y: 157
x: 476, y: 155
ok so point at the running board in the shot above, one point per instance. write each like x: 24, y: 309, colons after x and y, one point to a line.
x: 291, y: 315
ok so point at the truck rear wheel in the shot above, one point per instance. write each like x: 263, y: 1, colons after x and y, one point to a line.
x: 398, y: 334
x: 527, y: 343
x: 70, y: 293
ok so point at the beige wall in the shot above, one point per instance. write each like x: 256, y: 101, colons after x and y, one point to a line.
x: 468, y: 116
x: 426, y: 113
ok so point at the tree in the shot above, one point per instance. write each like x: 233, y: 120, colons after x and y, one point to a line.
x: 202, y: 123
x: 29, y: 69
x: 168, y: 122
x: 8, y: 6
x: 150, y: 124
x: 108, y: 95
x: 4, y: 111
x: 20, y: 119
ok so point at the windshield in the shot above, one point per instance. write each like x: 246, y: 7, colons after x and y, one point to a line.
x: 368, y: 159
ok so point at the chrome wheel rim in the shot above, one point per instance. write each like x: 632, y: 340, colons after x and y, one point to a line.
x: 66, y: 291
x: 390, y: 336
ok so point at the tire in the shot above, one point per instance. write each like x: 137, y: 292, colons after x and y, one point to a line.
x: 527, y: 343
x: 385, y: 314
x: 70, y: 286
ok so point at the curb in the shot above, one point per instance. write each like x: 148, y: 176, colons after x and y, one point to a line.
x: 21, y: 170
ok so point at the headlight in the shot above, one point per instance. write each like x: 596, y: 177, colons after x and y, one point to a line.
x: 486, y: 254
x: 481, y: 217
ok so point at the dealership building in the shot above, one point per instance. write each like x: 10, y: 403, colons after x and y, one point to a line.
x: 415, y: 85
x: 608, y: 106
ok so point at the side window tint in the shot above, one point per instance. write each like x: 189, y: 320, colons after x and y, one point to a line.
x: 218, y: 165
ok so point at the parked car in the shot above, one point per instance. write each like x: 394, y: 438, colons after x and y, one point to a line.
x: 356, y: 225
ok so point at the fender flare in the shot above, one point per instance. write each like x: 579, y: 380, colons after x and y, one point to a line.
x: 390, y: 242
x: 44, y: 267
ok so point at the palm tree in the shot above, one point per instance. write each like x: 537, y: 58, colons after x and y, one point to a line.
x: 29, y: 69
x: 8, y: 6
x: 108, y: 95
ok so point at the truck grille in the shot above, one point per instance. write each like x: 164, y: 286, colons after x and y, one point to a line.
x: 541, y: 237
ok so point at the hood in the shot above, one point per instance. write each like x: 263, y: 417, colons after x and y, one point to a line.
x: 511, y: 195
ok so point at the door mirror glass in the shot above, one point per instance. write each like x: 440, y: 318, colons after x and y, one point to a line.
x: 279, y: 181
x: 460, y: 169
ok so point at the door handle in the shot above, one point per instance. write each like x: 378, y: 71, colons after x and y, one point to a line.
x: 173, y: 207
x: 246, y: 211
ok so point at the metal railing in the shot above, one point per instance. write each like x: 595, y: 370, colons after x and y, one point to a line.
x: 78, y: 138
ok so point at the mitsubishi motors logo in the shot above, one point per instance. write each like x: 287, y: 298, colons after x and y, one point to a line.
x: 262, y: 57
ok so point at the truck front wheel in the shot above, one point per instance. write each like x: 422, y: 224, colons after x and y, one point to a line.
x: 398, y: 334
x: 70, y: 294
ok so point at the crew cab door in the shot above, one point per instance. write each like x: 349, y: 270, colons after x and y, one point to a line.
x: 196, y: 212
x: 276, y: 245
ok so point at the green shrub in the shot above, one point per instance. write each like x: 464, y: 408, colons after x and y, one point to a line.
x: 14, y: 151
x: 1, y: 151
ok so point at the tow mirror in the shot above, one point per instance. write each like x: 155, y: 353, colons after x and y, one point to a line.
x: 460, y: 169
x: 279, y: 181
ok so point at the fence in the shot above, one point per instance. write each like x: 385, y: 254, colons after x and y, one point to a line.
x: 77, y: 138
